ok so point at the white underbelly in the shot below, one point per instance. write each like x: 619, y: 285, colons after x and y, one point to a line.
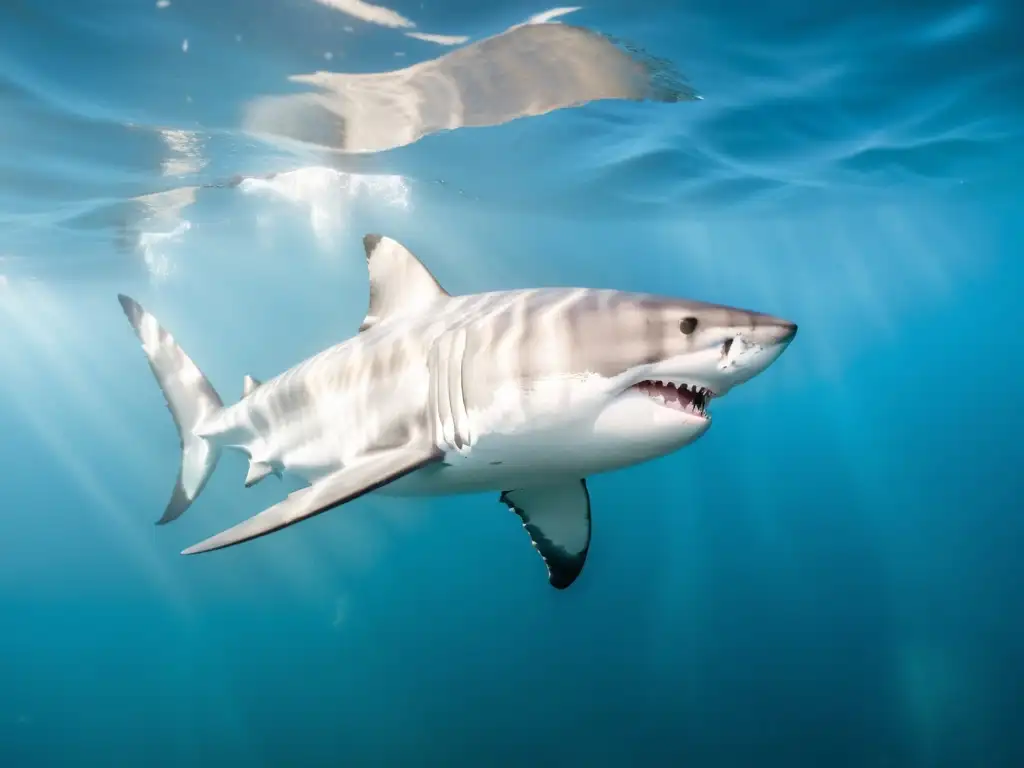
x: 503, y: 462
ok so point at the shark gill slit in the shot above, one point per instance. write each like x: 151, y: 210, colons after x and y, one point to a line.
x: 442, y: 403
x: 433, y: 424
x: 451, y: 433
x: 524, y: 354
x: 460, y: 415
x: 450, y: 370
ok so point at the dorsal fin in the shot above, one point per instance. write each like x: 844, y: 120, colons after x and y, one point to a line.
x: 399, y: 282
x: 250, y: 385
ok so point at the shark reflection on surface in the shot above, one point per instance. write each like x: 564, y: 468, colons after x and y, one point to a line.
x: 527, y: 70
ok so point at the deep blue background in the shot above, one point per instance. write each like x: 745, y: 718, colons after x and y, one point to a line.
x: 830, y: 577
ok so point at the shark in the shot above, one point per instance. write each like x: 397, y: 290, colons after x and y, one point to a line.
x: 525, y: 393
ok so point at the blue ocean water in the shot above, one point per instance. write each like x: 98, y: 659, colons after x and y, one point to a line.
x: 829, y: 577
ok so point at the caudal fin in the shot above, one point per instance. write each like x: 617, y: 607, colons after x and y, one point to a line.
x: 190, y: 398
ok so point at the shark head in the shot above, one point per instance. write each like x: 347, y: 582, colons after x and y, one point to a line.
x: 667, y: 361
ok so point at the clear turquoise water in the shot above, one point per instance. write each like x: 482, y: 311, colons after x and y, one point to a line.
x: 829, y: 577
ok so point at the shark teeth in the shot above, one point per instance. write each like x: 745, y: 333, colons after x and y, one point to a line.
x: 682, y: 397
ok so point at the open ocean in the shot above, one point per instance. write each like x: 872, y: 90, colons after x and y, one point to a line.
x: 832, y: 576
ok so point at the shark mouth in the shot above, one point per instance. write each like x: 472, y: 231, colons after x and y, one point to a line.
x: 681, y: 397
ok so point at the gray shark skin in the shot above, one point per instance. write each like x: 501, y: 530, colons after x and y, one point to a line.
x: 525, y: 393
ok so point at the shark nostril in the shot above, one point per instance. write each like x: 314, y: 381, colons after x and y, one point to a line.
x: 726, y: 346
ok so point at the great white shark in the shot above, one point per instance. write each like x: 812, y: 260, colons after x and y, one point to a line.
x: 524, y: 392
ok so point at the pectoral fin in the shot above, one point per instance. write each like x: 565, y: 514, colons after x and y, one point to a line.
x: 257, y: 471
x: 332, y: 491
x: 557, y: 517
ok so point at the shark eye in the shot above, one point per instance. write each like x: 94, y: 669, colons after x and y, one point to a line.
x: 688, y: 325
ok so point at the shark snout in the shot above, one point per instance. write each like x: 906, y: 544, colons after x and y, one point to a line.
x: 783, y: 331
x: 751, y: 351
x: 772, y: 331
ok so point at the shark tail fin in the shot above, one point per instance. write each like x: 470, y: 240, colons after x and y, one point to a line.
x: 191, y: 400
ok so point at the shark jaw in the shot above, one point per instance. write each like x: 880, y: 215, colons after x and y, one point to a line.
x: 690, y: 399
x: 660, y: 407
x: 650, y: 417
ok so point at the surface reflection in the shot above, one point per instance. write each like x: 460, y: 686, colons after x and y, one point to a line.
x: 527, y: 70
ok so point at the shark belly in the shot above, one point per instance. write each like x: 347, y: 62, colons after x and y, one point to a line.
x: 535, y: 456
x: 499, y: 465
